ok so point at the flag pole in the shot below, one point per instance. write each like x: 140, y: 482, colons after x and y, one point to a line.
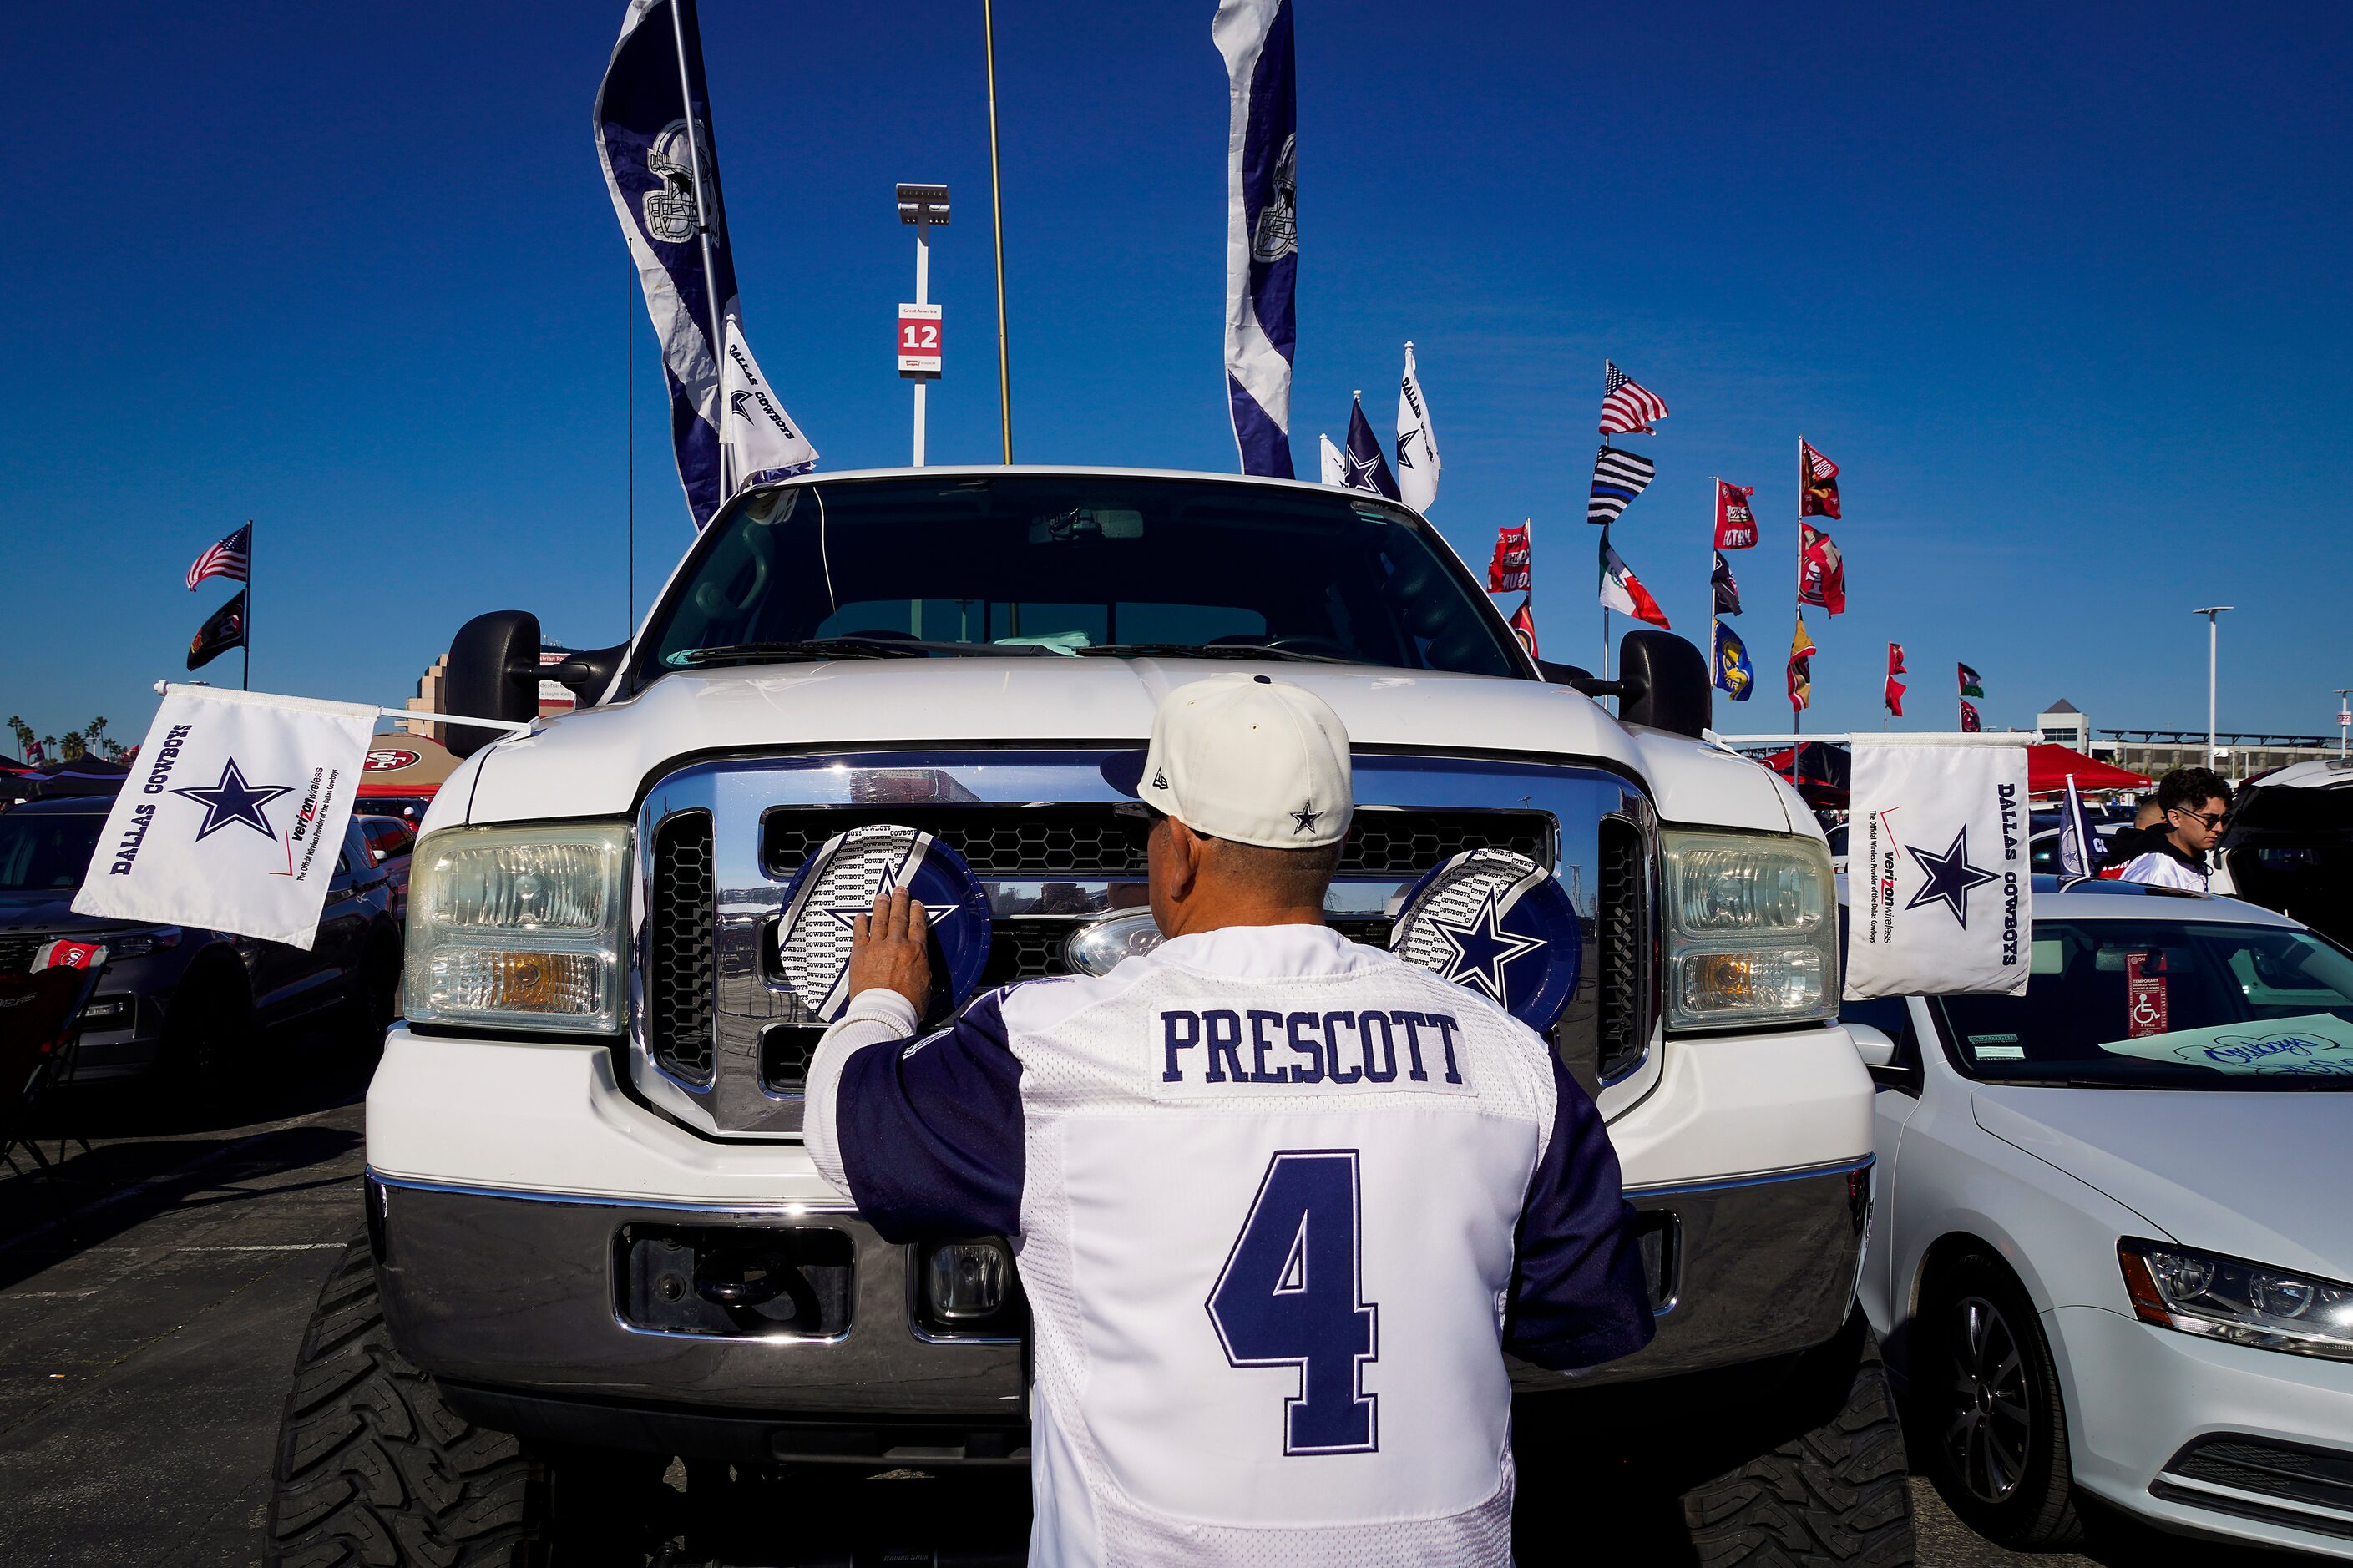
x: 629, y: 335
x: 996, y: 221
x: 702, y: 224
x: 245, y: 677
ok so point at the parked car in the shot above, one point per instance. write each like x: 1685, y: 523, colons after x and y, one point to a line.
x: 390, y: 843
x: 176, y: 996
x: 2289, y: 846
x: 2111, y: 1255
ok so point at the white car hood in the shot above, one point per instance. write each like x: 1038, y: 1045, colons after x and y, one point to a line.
x: 593, y: 762
x: 2247, y: 1172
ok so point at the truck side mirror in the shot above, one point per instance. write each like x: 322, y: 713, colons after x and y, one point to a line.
x: 493, y: 674
x: 586, y: 674
x: 1572, y: 675
x: 1662, y: 683
x: 1872, y: 1045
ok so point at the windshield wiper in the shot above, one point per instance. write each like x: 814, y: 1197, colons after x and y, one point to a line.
x: 850, y: 646
x: 1207, y: 650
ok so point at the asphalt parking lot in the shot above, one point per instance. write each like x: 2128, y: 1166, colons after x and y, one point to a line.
x: 152, y: 1299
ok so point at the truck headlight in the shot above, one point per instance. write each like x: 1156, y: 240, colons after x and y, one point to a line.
x: 1752, y: 933
x: 518, y: 927
x: 2243, y: 1304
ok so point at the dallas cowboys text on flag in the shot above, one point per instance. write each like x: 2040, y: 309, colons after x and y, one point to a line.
x: 1627, y: 407
x: 233, y: 816
x: 764, y: 440
x: 1366, y: 470
x: 1261, y: 227
x: 1417, y: 443
x: 663, y: 178
x: 232, y: 558
x: 1618, y: 476
x: 1942, y: 898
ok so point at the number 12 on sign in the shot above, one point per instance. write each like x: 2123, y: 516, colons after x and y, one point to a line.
x: 919, y: 340
x: 1291, y: 1295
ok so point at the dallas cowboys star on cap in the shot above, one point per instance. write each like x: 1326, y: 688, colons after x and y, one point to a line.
x: 1251, y: 758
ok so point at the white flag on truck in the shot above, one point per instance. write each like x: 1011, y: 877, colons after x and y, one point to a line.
x: 761, y: 440
x: 1939, y: 900
x: 233, y: 816
x: 1417, y: 443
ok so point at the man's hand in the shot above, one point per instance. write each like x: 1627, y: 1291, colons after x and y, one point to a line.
x: 890, y: 949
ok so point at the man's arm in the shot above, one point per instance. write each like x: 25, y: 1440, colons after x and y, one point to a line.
x: 926, y: 1135
x: 1579, y: 1297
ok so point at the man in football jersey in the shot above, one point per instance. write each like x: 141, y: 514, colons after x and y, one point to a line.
x: 1280, y: 1203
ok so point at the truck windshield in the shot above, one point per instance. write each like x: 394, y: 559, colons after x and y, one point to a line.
x: 2135, y: 1003
x: 42, y: 851
x: 1079, y: 566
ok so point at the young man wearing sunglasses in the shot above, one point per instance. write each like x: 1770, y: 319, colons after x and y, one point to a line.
x: 2195, y: 802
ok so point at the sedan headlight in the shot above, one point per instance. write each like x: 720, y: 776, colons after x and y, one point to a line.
x: 518, y: 927
x: 1752, y: 932
x: 2241, y: 1303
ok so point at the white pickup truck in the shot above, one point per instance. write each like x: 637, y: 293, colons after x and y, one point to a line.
x: 595, y: 1243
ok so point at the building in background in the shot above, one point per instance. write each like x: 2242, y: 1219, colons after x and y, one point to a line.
x: 2156, y: 753
x: 432, y: 692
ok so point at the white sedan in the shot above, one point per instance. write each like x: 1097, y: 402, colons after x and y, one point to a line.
x: 2113, y: 1247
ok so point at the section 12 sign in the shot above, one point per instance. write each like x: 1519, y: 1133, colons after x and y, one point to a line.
x: 919, y: 340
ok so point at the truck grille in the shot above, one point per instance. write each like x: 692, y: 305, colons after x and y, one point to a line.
x: 681, y: 968
x: 17, y: 954
x: 1095, y: 840
x: 1626, y: 960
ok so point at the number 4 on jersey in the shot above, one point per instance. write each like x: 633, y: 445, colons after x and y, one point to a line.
x: 1289, y: 1296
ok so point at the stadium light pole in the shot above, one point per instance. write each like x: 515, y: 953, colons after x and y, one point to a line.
x: 996, y: 221
x: 921, y: 205
x: 2213, y: 614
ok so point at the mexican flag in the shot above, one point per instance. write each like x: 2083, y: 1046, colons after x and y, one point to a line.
x: 1622, y: 591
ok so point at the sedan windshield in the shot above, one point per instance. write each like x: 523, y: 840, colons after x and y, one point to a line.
x: 1078, y: 566
x: 42, y: 851
x: 2166, y: 1005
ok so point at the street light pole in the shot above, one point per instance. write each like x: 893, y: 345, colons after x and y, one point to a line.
x: 997, y: 220
x: 919, y: 324
x: 2343, y: 718
x: 2213, y: 619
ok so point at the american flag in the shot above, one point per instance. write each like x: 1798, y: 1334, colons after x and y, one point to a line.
x: 227, y: 559
x: 1618, y: 476
x: 1626, y: 408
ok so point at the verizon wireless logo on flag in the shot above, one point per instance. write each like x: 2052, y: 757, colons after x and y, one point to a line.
x: 233, y: 816
x: 1940, y: 899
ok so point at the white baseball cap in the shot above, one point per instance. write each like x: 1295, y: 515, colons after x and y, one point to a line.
x: 1252, y: 758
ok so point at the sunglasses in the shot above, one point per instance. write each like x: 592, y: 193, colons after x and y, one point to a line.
x: 2212, y: 820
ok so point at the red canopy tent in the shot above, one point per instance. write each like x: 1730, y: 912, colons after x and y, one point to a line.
x: 2047, y: 768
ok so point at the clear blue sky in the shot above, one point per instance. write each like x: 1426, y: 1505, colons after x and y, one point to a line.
x: 2062, y: 290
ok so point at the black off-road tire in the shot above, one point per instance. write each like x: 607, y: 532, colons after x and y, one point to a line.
x: 1833, y: 1491
x: 373, y: 1468
x: 2040, y: 1511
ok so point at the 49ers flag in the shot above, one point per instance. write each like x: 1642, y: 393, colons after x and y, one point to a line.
x: 1508, y: 571
x: 1942, y: 898
x: 1821, y: 571
x: 1817, y: 483
x: 1736, y: 524
x: 233, y: 816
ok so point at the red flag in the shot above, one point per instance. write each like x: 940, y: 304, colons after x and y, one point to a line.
x: 1524, y: 626
x: 1817, y: 483
x: 1894, y: 693
x: 1736, y: 525
x: 1969, y: 724
x: 1894, y: 698
x: 1821, y: 572
x: 1508, y: 571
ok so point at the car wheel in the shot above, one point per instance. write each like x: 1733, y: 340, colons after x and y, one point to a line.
x: 373, y: 1466
x: 1991, y: 1424
x: 1837, y: 1491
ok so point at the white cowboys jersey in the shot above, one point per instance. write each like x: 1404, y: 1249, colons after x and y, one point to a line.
x: 1280, y: 1201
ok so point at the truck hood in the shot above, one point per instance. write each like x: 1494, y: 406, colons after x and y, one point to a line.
x: 49, y: 910
x: 594, y: 763
x: 2232, y: 1173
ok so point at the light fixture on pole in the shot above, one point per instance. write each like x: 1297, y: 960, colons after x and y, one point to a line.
x: 919, y: 323
x: 2212, y: 614
x: 2344, y: 717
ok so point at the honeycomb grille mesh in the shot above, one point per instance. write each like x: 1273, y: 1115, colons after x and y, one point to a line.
x: 17, y: 954
x: 681, y: 969
x: 1097, y: 840
x: 1624, y: 1003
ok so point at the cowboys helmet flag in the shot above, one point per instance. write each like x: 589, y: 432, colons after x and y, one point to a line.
x: 1502, y: 925
x: 841, y: 880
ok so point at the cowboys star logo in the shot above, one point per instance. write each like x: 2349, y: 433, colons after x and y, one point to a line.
x: 846, y: 917
x: 1482, y: 949
x: 1950, y: 878
x: 234, y: 800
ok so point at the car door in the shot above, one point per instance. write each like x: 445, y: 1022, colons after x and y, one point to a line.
x: 1895, y: 1097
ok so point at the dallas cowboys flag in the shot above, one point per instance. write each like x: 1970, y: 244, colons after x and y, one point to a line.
x: 665, y: 189
x: 1941, y: 900
x: 1362, y: 465
x: 1417, y: 443
x: 2078, y: 854
x: 1335, y: 468
x: 233, y: 816
x: 1261, y: 227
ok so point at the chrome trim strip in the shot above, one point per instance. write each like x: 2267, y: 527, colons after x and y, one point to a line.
x: 591, y: 1200
x: 1760, y: 1179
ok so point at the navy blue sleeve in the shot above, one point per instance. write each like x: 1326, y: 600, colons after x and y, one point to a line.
x: 930, y: 1132
x: 1579, y: 1295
